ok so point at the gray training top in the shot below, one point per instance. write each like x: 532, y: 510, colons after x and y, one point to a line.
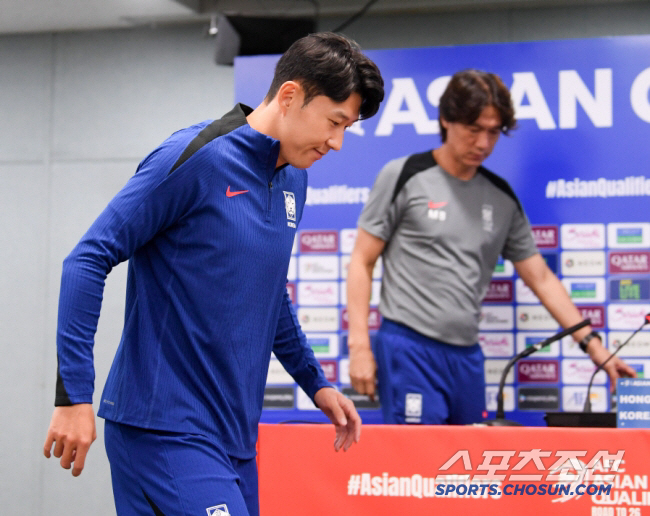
x: 443, y: 239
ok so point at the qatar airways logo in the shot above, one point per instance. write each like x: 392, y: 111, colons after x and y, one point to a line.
x: 545, y: 236
x: 632, y: 262
x: 374, y: 319
x: 319, y: 241
x: 583, y: 236
x: 595, y: 313
x: 542, y: 371
x: 330, y: 369
x: 499, y: 291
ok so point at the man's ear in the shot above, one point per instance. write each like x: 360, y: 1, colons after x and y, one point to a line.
x: 444, y: 123
x: 288, y: 93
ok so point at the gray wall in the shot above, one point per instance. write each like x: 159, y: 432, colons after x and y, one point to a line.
x: 77, y: 113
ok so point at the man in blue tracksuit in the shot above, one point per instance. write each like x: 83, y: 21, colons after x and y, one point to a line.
x: 207, y: 224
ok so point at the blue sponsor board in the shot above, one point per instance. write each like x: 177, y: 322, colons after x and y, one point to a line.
x: 633, y: 403
x: 588, y: 94
x: 629, y: 289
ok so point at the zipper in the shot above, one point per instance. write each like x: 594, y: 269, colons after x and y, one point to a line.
x: 268, y: 207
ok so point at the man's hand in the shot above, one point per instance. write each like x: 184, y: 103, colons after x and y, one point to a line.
x: 615, y: 368
x: 73, y: 430
x: 363, y: 371
x: 341, y: 412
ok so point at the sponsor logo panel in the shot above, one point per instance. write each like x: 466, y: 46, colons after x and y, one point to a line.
x: 499, y: 291
x: 318, y: 293
x: 497, y: 344
x: 534, y: 317
x: 317, y: 267
x: 629, y: 289
x: 583, y: 263
x: 582, y: 236
x: 524, y: 294
x: 277, y: 375
x: 538, y: 371
x: 496, y: 318
x: 626, y: 316
x: 330, y: 369
x: 639, y: 345
x: 570, y: 347
x: 585, y: 290
x: 279, y: 398
x: 631, y: 262
x: 595, y: 313
x: 491, y: 392
x: 642, y: 367
x: 503, y: 269
x: 361, y: 401
x: 573, y: 398
x: 374, y: 319
x: 344, y: 371
x: 323, y: 344
x: 628, y: 235
x: 318, y: 319
x: 494, y: 369
x: 546, y: 236
x: 347, y: 238
x: 579, y: 370
x: 527, y: 339
x: 319, y: 241
x: 538, y: 398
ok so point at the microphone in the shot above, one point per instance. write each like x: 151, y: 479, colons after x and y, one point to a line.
x: 587, y: 406
x: 500, y: 415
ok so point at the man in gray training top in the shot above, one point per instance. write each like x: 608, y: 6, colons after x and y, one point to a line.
x: 441, y: 220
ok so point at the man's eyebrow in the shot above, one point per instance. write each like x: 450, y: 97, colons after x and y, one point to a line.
x: 341, y: 114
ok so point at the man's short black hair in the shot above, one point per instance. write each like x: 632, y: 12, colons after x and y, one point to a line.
x: 468, y: 93
x: 330, y: 64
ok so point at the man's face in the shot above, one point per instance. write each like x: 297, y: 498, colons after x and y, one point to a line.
x: 309, y: 132
x: 471, y: 144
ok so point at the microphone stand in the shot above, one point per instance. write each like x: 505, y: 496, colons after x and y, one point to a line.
x: 500, y: 419
x: 587, y: 406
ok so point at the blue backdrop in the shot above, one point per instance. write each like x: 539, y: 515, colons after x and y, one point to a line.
x: 577, y: 161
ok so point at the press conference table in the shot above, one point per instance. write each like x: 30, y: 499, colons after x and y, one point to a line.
x: 419, y: 470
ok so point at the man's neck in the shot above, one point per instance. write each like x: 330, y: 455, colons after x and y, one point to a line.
x: 452, y: 165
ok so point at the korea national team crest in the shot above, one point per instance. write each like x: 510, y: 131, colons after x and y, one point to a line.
x: 290, y: 207
x: 218, y: 510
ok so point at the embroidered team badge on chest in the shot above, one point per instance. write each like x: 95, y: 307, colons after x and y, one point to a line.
x: 290, y: 208
x: 488, y: 222
x: 436, y: 211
